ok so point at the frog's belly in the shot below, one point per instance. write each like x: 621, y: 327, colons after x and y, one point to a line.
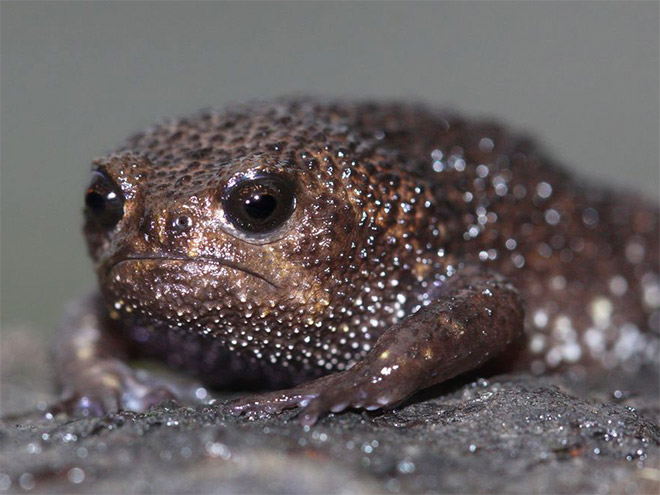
x: 209, y: 360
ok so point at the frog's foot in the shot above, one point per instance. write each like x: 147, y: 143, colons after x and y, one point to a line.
x: 275, y: 402
x: 356, y: 388
x: 269, y: 403
x: 108, y: 387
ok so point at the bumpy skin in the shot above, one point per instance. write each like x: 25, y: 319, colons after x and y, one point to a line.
x: 420, y: 246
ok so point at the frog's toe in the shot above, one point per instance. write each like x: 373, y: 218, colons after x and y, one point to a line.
x: 84, y: 403
x: 331, y: 402
x: 355, y: 389
x: 331, y: 393
x: 311, y: 413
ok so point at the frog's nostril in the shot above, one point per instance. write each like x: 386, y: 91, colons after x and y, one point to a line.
x: 182, y: 223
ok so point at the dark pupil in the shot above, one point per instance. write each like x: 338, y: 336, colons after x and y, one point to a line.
x: 104, y: 201
x: 95, y: 202
x: 260, y: 206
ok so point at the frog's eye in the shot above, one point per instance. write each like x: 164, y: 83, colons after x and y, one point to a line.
x: 259, y: 205
x: 104, y: 200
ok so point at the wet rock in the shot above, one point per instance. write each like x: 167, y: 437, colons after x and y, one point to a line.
x: 506, y: 434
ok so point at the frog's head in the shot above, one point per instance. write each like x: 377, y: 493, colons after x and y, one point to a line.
x: 247, y: 226
x: 253, y: 235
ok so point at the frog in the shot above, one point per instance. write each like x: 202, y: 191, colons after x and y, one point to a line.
x: 326, y: 255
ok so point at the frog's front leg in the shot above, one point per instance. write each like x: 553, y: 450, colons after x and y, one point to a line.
x: 475, y: 318
x: 90, y: 364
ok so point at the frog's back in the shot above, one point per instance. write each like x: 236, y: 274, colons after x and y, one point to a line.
x: 586, y: 258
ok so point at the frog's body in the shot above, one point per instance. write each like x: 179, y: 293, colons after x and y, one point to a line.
x: 399, y: 246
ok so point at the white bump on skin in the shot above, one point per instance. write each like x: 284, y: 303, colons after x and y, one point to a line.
x: 558, y: 282
x: 552, y: 216
x: 635, y: 252
x: 486, y: 144
x: 651, y: 287
x: 600, y: 310
x: 572, y: 352
x: 537, y: 343
x: 563, y: 328
x: 540, y: 318
x: 553, y: 358
x: 595, y: 341
x: 518, y: 260
x: 618, y: 285
x: 544, y: 190
x: 630, y: 342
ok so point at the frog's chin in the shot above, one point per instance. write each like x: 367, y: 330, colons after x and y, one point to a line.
x: 182, y: 289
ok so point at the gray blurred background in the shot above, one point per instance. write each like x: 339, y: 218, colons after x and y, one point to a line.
x: 76, y: 78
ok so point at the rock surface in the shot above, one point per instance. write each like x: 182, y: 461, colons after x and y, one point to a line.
x: 506, y: 434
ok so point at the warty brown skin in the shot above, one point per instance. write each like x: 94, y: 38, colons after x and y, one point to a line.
x: 408, y: 246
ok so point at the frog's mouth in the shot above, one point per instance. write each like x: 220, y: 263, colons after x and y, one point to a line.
x: 188, y: 259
